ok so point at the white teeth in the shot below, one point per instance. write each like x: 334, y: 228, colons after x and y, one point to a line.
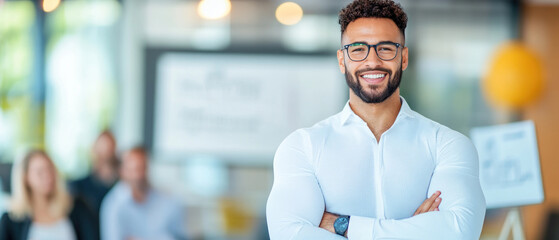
x: 373, y: 76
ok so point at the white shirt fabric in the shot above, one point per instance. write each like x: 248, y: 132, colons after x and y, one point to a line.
x: 60, y: 230
x: 158, y: 217
x: 339, y: 167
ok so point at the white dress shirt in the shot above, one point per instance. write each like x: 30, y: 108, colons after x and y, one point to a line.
x: 338, y: 166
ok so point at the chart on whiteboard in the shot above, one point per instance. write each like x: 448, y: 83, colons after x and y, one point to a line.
x: 238, y: 104
x: 509, y: 164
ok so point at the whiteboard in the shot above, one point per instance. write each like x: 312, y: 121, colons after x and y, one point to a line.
x: 240, y: 105
x: 509, y: 164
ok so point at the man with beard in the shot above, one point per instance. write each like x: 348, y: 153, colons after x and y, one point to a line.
x: 377, y: 169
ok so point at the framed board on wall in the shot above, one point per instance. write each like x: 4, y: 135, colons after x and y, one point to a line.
x: 236, y: 105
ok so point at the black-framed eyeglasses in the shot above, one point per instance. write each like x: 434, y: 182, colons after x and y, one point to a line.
x: 359, y: 51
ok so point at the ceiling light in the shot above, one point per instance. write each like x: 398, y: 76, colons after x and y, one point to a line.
x: 214, y: 9
x: 50, y: 5
x: 289, y: 13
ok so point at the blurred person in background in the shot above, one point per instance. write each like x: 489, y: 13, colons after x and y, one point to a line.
x: 377, y: 169
x: 41, y: 208
x: 135, y: 210
x: 104, y: 174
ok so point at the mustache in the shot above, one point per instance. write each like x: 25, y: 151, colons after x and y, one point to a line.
x: 359, y: 72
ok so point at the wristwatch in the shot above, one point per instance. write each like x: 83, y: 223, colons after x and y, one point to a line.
x: 341, y: 224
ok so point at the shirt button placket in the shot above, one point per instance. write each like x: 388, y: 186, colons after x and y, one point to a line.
x: 377, y: 177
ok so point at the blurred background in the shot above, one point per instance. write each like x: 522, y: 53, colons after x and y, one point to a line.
x: 211, y: 88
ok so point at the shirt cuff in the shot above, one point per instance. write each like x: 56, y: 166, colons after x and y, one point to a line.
x: 360, y: 228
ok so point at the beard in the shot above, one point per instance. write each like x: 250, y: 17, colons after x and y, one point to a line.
x: 371, y: 93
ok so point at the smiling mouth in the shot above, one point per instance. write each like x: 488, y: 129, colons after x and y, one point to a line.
x: 373, y: 78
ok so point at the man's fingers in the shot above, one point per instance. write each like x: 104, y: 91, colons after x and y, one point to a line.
x: 425, y: 205
x: 428, y: 203
x: 435, y: 205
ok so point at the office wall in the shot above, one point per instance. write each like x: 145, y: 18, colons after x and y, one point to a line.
x: 540, y: 31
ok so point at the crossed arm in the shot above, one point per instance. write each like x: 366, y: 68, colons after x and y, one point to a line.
x: 296, y: 207
x: 429, y: 205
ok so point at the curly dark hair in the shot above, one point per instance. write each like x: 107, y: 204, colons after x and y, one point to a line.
x: 373, y: 9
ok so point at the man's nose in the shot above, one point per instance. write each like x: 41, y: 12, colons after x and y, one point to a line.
x: 372, y: 59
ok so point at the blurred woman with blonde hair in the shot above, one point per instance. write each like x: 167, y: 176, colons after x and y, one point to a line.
x: 41, y: 208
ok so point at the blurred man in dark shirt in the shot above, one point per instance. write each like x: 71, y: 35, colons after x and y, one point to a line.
x: 104, y: 173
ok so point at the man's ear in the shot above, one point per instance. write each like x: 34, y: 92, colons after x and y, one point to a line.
x: 404, y: 58
x: 341, y: 62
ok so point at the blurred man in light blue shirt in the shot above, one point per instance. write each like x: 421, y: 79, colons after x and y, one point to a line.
x: 134, y: 210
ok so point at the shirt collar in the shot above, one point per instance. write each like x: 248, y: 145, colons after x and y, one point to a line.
x: 348, y: 114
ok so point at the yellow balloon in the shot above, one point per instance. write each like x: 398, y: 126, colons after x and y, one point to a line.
x: 515, y: 78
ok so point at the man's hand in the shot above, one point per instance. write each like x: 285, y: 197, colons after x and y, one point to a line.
x: 430, y: 204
